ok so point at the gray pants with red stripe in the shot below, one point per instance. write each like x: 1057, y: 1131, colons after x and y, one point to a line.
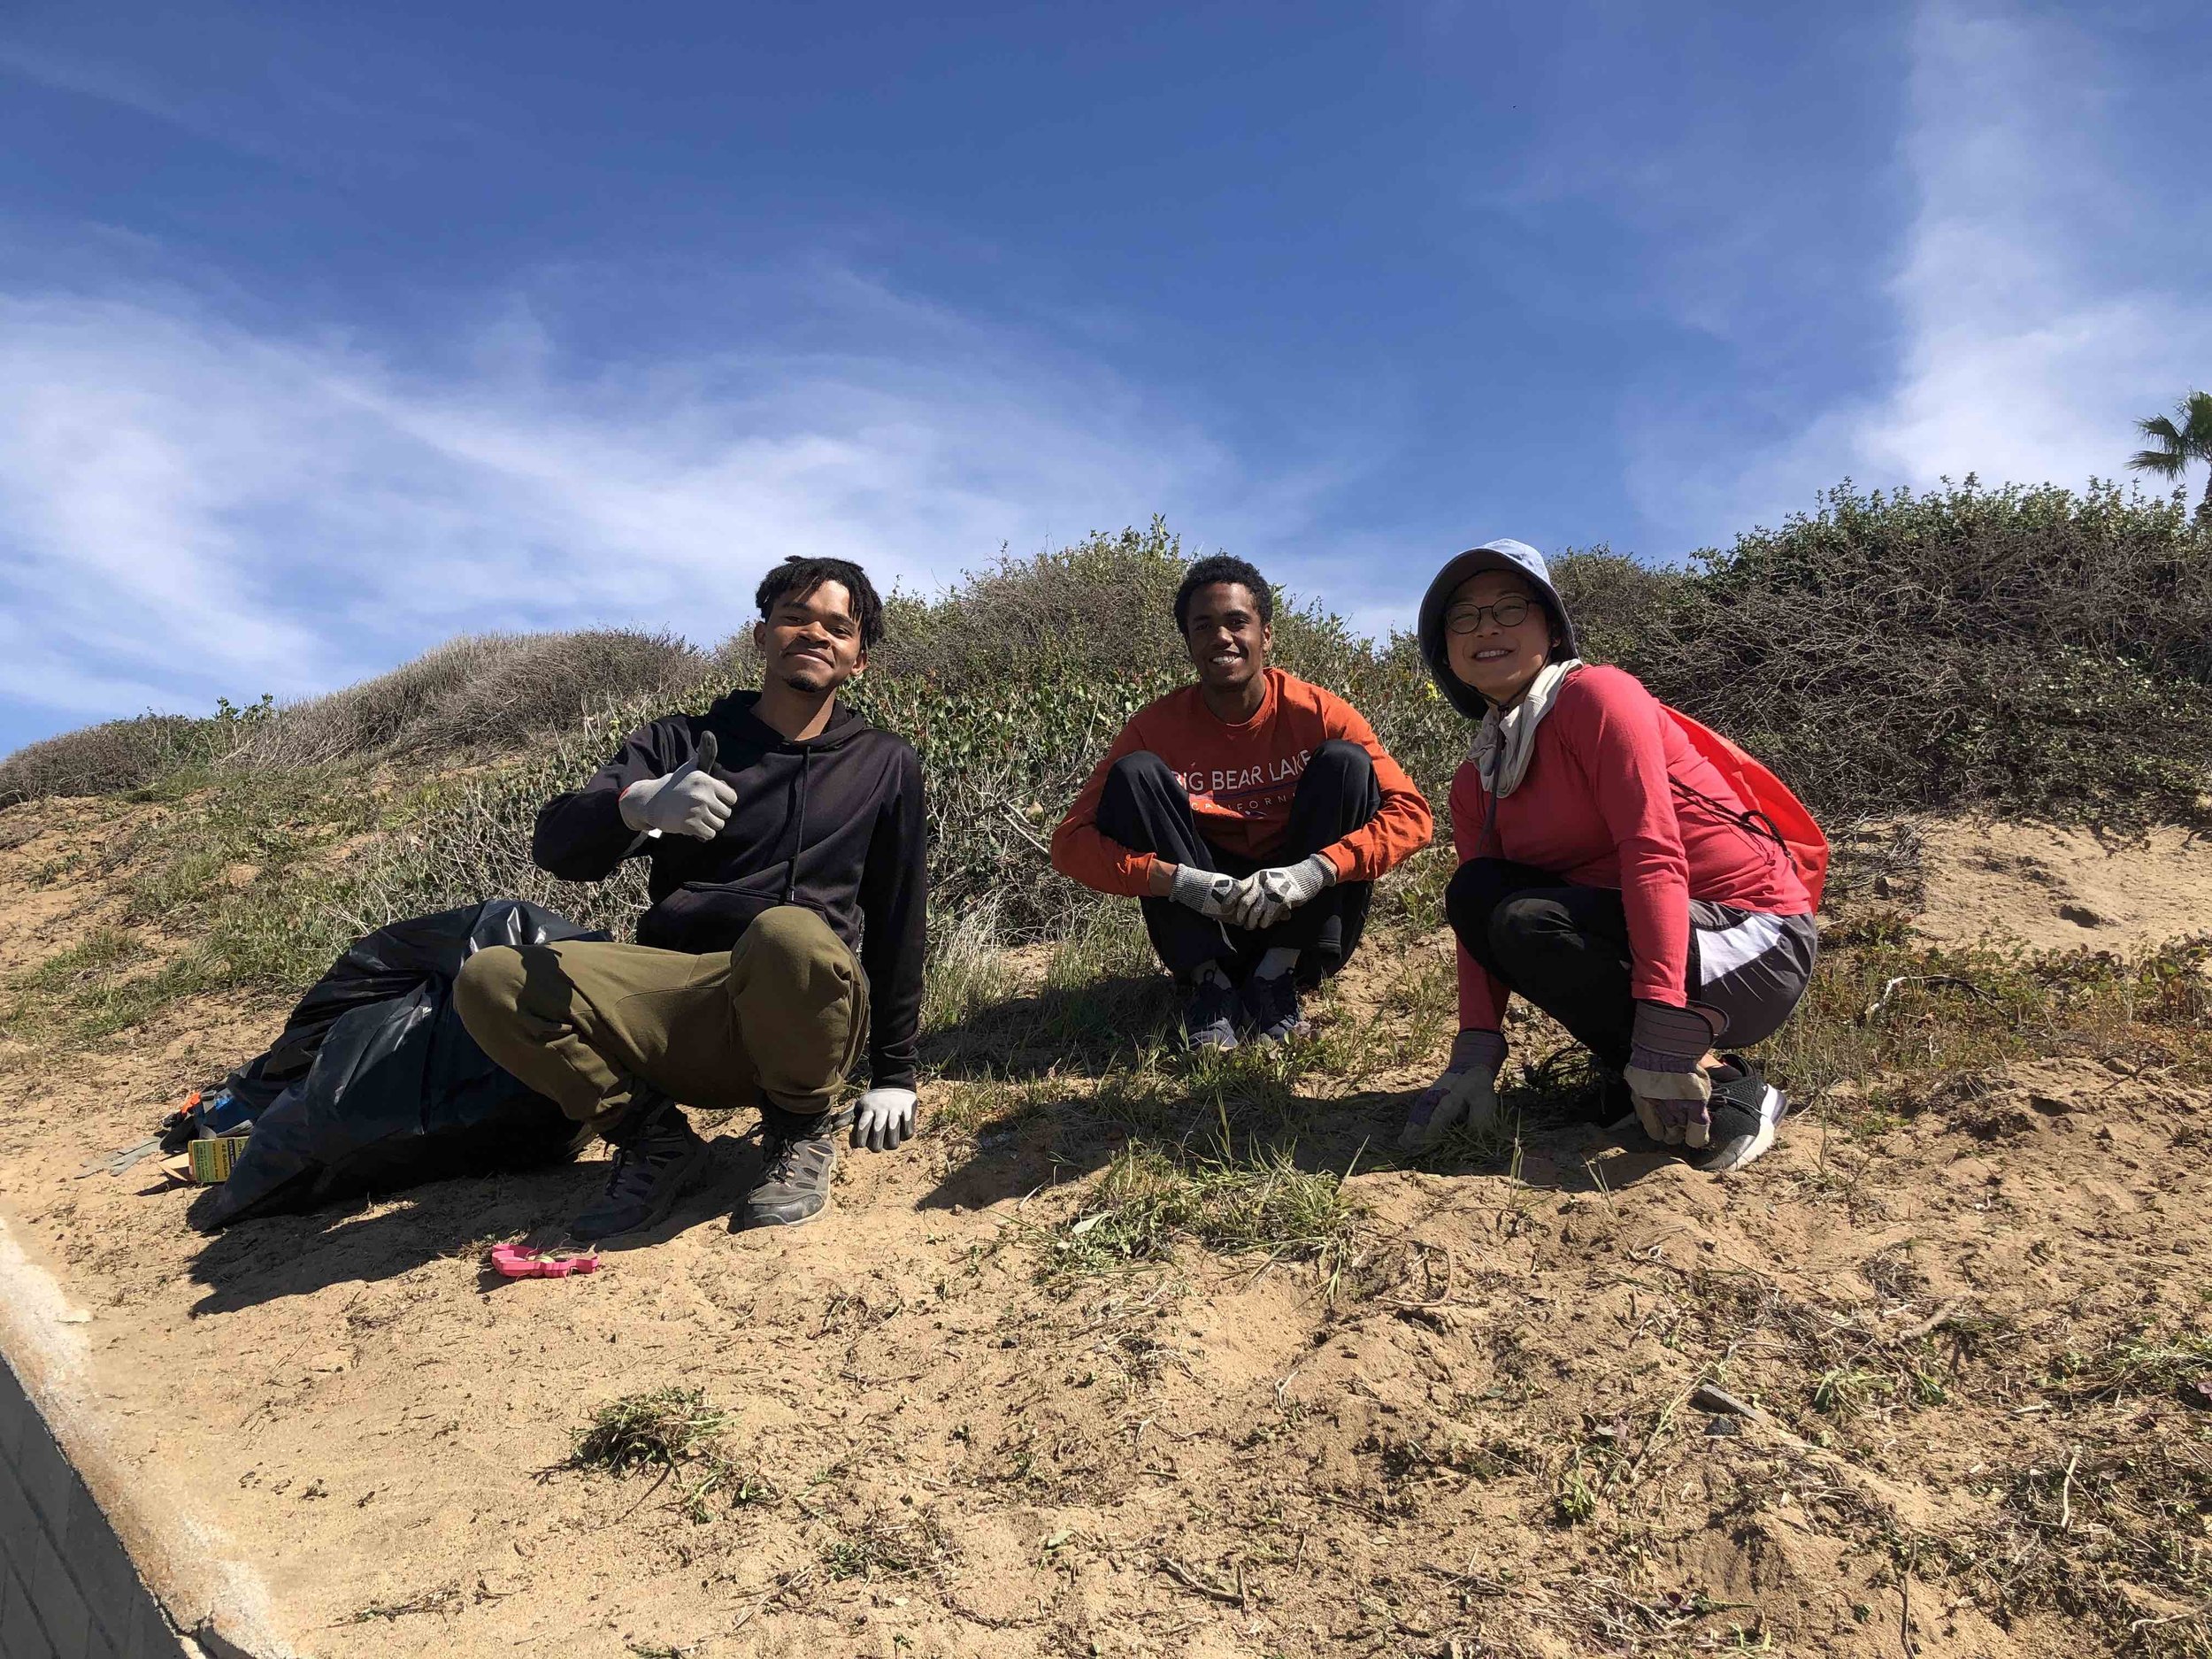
x: 1565, y: 949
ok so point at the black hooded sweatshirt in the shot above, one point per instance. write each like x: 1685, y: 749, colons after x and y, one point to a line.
x: 834, y: 823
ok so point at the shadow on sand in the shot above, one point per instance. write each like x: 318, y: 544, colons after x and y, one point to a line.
x: 1085, y: 1028
x: 1244, y: 1111
x: 1248, y: 1107
x: 268, y: 1258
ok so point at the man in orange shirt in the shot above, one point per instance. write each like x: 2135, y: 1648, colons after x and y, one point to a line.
x: 1250, y: 812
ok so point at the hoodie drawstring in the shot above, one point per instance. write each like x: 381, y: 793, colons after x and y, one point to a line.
x: 798, y: 840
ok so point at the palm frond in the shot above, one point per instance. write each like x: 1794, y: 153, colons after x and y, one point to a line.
x: 2196, y: 424
x: 2178, y: 444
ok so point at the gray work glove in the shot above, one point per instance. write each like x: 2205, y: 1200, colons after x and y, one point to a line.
x: 1209, y: 894
x: 1266, y: 896
x: 1467, y: 1093
x: 884, y: 1118
x: 689, y: 801
x: 1666, y: 1077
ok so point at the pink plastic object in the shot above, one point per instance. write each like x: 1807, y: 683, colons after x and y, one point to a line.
x: 518, y: 1260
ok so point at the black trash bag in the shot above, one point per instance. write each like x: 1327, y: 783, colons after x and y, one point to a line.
x: 375, y: 1084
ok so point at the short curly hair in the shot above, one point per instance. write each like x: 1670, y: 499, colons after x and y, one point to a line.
x: 800, y: 576
x: 1222, y: 568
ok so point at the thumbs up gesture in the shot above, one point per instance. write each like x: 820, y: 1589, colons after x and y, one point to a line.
x: 689, y: 801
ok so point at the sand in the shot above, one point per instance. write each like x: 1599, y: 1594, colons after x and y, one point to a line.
x: 2057, y: 889
x: 336, y: 1435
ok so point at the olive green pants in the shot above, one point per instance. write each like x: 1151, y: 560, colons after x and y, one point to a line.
x: 778, y: 1021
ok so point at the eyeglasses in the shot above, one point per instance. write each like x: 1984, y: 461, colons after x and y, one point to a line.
x: 1510, y: 613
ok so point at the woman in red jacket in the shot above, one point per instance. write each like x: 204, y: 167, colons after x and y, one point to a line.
x: 1609, y: 873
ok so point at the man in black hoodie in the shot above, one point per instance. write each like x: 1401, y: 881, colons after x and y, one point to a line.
x: 788, y: 850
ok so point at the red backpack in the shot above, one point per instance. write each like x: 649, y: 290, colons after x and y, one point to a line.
x: 1770, y: 809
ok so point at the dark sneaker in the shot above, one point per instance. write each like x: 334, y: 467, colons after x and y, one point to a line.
x: 1271, y: 1008
x: 1209, y: 1018
x: 657, y: 1155
x: 1616, y: 1107
x: 794, y: 1188
x: 1746, y: 1111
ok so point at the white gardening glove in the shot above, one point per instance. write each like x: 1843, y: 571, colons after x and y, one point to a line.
x: 689, y: 801
x: 1467, y: 1093
x: 1665, y: 1074
x: 1268, y: 895
x: 884, y: 1118
x: 1209, y: 893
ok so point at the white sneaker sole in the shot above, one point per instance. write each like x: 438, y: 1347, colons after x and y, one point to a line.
x: 1744, y: 1149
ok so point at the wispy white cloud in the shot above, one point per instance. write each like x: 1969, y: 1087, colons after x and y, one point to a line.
x: 190, y: 507
x: 89, y: 77
x: 270, y: 90
x: 2050, y: 292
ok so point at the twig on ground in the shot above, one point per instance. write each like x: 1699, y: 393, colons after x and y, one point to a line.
x: 1717, y: 1400
x: 1889, y: 990
x: 1232, y: 1594
x: 1410, y: 1304
x: 1913, y: 1334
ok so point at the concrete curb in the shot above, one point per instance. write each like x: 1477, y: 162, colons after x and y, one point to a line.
x: 97, y: 1561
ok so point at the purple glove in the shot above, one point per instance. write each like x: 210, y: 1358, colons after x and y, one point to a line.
x: 1665, y: 1074
x: 1467, y: 1093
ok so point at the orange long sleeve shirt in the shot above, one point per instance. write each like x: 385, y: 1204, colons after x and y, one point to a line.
x: 1241, y: 777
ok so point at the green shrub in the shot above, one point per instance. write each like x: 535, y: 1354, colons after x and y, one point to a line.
x: 2031, y: 649
x: 2022, y: 650
x: 465, y: 836
x: 118, y: 756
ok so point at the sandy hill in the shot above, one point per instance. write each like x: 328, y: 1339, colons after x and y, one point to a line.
x: 1132, y: 1355
x: 1028, y: 1391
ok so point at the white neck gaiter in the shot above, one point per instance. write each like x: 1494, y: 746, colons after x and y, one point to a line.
x: 1507, y: 737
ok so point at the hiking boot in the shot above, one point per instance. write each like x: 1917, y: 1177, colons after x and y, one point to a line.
x: 1746, y: 1111
x: 1271, y: 1008
x: 1209, y: 1018
x: 798, y: 1157
x: 656, y: 1153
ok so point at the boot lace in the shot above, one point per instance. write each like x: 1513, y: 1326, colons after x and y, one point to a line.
x: 637, y: 1166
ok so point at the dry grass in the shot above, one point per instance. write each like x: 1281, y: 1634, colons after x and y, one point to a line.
x: 488, y: 692
x: 2041, y: 650
x: 481, y: 693
x: 113, y: 757
x: 675, y: 1432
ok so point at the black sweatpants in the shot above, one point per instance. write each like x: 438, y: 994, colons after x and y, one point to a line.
x: 1565, y: 948
x: 1145, y: 810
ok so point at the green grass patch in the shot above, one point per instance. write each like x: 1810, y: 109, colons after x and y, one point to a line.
x: 1896, y: 1019
x: 2139, y: 1363
x: 1149, y: 1200
x: 242, y: 871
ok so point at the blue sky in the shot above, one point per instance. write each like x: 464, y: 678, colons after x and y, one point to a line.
x: 326, y: 333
